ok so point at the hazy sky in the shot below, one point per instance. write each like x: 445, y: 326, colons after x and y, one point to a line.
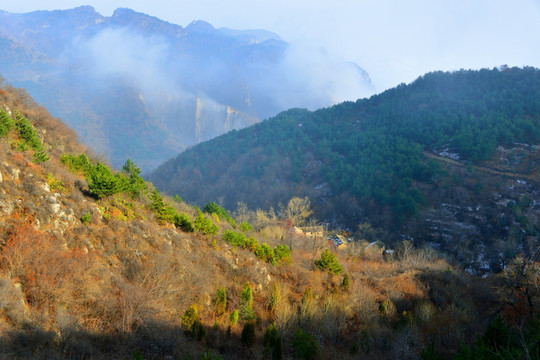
x: 395, y: 40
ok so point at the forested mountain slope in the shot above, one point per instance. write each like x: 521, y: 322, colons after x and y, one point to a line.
x: 96, y: 264
x: 366, y: 161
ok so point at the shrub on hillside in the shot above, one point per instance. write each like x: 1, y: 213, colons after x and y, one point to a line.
x: 6, y: 123
x: 248, y: 334
x: 305, y: 345
x: 136, y: 184
x: 238, y: 239
x: 28, y: 137
x: 166, y: 213
x: 213, y: 208
x: 27, y: 132
x: 209, y: 356
x: 77, y: 163
x: 220, y: 301
x: 191, y: 323
x: 233, y: 319
x: 103, y: 182
x: 245, y: 227
x: 204, y: 225
x: 55, y: 184
x: 86, y: 218
x: 502, y: 341
x: 48, y: 273
x: 282, y: 254
x: 163, y: 211
x: 12, y: 304
x: 183, y: 222
x: 265, y: 253
x: 272, y: 343
x: 40, y: 156
x: 346, y: 283
x: 275, y: 297
x: 329, y: 263
x: 246, y: 303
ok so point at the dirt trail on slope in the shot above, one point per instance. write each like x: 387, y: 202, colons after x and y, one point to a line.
x: 480, y: 168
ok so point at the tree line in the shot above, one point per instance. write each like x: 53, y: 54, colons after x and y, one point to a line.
x: 367, y: 151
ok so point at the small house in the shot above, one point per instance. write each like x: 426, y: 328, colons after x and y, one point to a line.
x: 313, y: 231
x: 339, y: 241
x: 297, y: 231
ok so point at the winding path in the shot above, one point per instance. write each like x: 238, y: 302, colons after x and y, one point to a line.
x: 480, y: 168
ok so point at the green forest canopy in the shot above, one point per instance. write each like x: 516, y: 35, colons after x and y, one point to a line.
x: 369, y: 150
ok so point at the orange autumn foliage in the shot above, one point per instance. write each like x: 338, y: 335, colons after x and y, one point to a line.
x: 47, y: 271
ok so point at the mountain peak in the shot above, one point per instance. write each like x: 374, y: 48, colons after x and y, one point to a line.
x: 198, y: 82
x: 84, y: 9
x: 129, y: 17
x: 129, y: 14
x: 121, y: 12
x: 200, y: 26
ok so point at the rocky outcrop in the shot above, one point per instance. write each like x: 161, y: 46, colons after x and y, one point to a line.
x: 6, y: 206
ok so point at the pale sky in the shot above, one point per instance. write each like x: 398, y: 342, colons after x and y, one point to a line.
x: 395, y: 41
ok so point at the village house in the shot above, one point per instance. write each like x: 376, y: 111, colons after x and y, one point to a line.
x: 313, y: 231
x: 339, y: 242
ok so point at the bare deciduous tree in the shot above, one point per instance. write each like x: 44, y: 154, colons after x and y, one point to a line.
x: 297, y: 210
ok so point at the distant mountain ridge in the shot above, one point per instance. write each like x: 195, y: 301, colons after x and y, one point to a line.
x: 253, y: 35
x: 134, y: 86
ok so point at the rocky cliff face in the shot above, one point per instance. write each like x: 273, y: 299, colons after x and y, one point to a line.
x: 484, y: 215
x: 134, y: 86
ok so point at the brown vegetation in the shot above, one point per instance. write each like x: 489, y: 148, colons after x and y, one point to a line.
x: 81, y: 278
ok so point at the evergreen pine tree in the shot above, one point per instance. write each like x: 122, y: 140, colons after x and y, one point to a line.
x: 346, y: 282
x: 272, y: 343
x: 40, y: 156
x: 220, y: 301
x: 103, y: 182
x: 6, y: 123
x: 248, y: 334
x: 136, y: 183
x: 246, y: 303
x: 328, y: 262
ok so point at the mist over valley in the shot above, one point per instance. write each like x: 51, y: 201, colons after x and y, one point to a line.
x: 134, y: 86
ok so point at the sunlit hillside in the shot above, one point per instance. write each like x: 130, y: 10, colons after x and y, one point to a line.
x: 450, y: 160
x: 96, y: 264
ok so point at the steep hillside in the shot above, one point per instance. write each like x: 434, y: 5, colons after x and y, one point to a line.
x: 373, y: 161
x: 96, y: 264
x: 132, y: 85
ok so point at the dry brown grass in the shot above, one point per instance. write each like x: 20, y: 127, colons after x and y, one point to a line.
x: 99, y: 290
